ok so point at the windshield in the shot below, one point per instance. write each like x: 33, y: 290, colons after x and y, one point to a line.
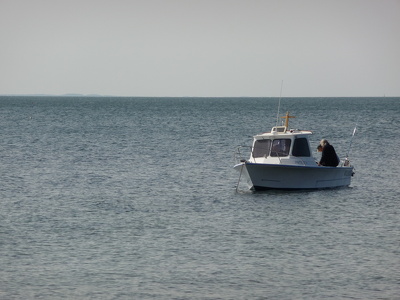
x: 261, y: 148
x: 274, y: 148
x: 280, y: 147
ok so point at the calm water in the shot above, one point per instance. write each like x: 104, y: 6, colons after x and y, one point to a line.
x: 134, y: 198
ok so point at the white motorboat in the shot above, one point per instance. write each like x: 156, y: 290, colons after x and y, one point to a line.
x: 282, y: 159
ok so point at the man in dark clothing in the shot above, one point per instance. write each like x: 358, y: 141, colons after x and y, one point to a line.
x: 329, y: 157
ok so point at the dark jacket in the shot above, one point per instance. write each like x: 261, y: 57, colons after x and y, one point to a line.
x: 329, y: 157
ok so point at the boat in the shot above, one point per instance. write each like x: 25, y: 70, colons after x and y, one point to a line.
x: 282, y: 159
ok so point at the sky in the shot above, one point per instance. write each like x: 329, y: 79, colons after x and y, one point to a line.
x: 201, y: 48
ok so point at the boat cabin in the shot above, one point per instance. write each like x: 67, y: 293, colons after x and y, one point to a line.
x: 282, y: 146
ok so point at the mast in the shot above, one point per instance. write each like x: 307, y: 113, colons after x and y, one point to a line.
x: 287, y: 117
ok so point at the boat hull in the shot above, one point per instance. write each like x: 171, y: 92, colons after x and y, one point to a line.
x: 273, y: 176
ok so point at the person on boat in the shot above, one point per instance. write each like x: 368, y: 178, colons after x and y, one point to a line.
x: 329, y: 157
x: 319, y: 149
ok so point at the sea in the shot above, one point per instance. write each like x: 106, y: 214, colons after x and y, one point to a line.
x: 137, y: 198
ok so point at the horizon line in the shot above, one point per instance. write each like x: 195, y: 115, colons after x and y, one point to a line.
x: 98, y: 95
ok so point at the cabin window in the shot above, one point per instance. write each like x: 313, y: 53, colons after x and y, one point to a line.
x: 261, y: 148
x: 301, y: 147
x: 280, y: 147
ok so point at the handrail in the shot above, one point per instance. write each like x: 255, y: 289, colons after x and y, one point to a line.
x: 238, y: 155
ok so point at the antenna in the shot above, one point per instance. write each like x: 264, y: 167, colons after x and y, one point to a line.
x: 279, y: 104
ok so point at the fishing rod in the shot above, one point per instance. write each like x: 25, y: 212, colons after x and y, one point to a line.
x: 351, y: 141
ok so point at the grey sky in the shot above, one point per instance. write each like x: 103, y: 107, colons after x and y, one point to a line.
x: 200, y: 47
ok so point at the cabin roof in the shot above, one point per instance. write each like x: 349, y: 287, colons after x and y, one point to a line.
x: 282, y: 132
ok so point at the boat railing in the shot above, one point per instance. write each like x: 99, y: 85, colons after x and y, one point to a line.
x: 242, y: 153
